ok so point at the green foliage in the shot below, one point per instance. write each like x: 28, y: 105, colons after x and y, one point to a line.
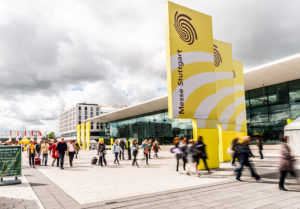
x: 51, y: 135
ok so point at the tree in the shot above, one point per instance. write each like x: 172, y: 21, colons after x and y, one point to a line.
x: 51, y: 135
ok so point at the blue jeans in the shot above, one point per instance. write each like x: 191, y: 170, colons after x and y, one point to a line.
x: 45, y: 158
x: 61, y: 159
x: 240, y: 169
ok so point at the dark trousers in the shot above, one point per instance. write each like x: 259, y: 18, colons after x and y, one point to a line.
x: 150, y: 153
x: 120, y: 155
x: 45, y: 158
x: 178, y: 157
x: 134, y: 160
x: 261, y: 154
x: 240, y: 169
x: 233, y: 158
x: 116, y: 158
x: 71, y: 157
x: 146, y: 157
x: 61, y: 159
x: 123, y: 152
x: 31, y: 159
x: 102, y: 159
x: 204, y: 161
x: 57, y: 162
x: 129, y: 154
x: 283, y: 175
x: 155, y: 155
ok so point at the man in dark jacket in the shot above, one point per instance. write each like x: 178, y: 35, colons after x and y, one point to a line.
x: 38, y: 149
x: 123, y: 147
x: 129, y: 149
x: 61, y: 148
x: 244, y: 153
x: 201, y: 153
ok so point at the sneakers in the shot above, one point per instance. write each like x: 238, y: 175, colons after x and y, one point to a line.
x: 283, y: 189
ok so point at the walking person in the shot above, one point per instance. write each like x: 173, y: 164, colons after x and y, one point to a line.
x: 101, y: 152
x: 260, y: 148
x: 150, y: 143
x: 116, y: 150
x: 54, y: 153
x: 183, y: 148
x: 135, y: 151
x: 201, y: 149
x: 286, y: 163
x: 192, y: 157
x: 32, y: 153
x: 244, y: 153
x: 145, y: 147
x: 123, y: 147
x: 71, y: 151
x: 38, y: 149
x: 155, y: 148
x: 234, y: 147
x: 177, y: 151
x: 78, y: 148
x: 45, y: 150
x: 129, y: 149
x: 61, y: 148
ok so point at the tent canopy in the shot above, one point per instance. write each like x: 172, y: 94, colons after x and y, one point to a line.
x: 295, y: 125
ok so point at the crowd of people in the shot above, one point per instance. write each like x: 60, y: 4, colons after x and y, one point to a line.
x: 187, y: 152
x: 57, y: 150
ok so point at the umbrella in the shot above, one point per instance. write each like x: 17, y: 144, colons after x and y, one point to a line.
x: 93, y: 141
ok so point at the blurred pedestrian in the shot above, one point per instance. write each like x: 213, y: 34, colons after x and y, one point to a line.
x: 234, y: 147
x: 101, y: 152
x: 286, y: 164
x: 192, y: 157
x: 135, y: 151
x: 31, y: 153
x: 71, y: 151
x: 145, y: 147
x: 260, y: 148
x: 155, y: 148
x: 78, y: 148
x: 244, y: 153
x: 123, y: 147
x: 61, y: 148
x: 201, y: 150
x: 38, y: 149
x: 45, y: 150
x: 129, y: 149
x: 177, y: 151
x: 150, y: 143
x: 54, y: 153
x: 116, y: 149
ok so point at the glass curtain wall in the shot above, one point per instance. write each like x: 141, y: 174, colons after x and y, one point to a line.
x: 268, y: 108
x: 155, y: 125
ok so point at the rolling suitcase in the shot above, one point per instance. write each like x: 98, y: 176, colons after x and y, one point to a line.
x: 94, y: 161
x: 37, y: 161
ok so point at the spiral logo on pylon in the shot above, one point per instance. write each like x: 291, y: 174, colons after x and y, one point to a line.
x: 184, y: 28
x: 217, y: 56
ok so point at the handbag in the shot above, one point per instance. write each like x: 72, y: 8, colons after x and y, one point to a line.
x: 146, y: 150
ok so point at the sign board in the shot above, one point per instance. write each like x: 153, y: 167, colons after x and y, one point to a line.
x: 190, y: 63
x: 10, y: 161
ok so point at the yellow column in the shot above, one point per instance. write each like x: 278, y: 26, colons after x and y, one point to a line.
x: 88, y: 134
x: 78, y: 135
x: 111, y: 142
x: 83, y: 135
x: 211, y: 140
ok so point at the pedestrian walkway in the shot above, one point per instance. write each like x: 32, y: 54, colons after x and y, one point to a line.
x: 154, y: 186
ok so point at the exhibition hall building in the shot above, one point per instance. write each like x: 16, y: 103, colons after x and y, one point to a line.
x: 272, y: 98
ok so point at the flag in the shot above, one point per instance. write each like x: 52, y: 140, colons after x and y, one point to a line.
x: 9, y: 135
x: 31, y: 136
x: 39, y: 137
x: 17, y: 137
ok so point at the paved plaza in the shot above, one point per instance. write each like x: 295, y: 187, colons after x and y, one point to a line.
x: 155, y: 186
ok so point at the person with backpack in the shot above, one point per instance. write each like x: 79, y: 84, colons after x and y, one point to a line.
x: 116, y: 149
x: 101, y: 152
x: 135, y: 151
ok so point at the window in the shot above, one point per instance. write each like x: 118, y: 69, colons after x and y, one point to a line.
x: 258, y: 101
x: 293, y: 85
x: 259, y: 118
x: 91, y: 115
x: 79, y: 107
x: 79, y: 118
x: 79, y: 122
x: 79, y: 113
x: 85, y: 117
x: 97, y: 126
x: 85, y: 112
x: 97, y: 108
x: 97, y: 113
x: 92, y: 125
x: 279, y: 116
x: 85, y: 108
x: 92, y: 108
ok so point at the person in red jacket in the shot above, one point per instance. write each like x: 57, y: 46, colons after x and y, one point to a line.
x: 54, y: 153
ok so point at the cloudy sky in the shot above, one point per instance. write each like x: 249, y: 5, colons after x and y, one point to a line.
x: 56, y: 53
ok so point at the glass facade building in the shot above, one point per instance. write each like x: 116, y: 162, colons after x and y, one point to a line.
x: 268, y: 108
x: 155, y: 125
